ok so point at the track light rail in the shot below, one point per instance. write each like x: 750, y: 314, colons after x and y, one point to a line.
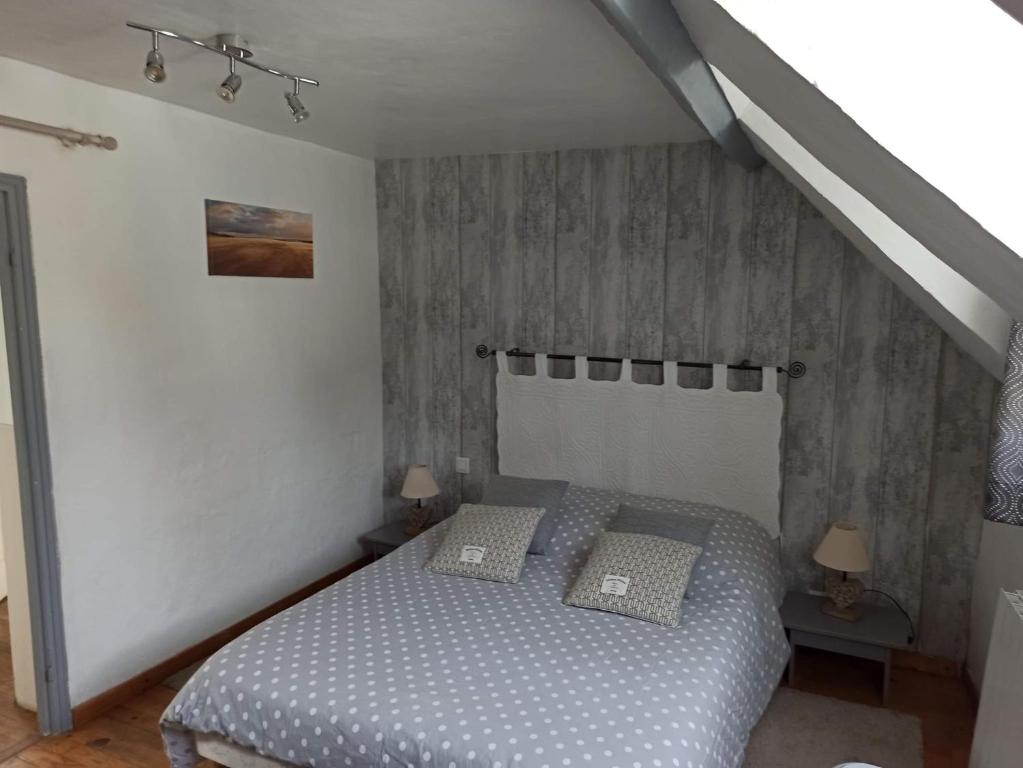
x: 67, y: 136
x: 261, y: 67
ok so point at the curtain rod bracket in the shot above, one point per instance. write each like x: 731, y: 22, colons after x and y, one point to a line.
x: 795, y: 370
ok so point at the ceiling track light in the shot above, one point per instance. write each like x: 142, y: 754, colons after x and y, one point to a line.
x: 155, y: 73
x: 298, y: 110
x: 236, y: 50
x: 231, y: 85
x: 234, y: 45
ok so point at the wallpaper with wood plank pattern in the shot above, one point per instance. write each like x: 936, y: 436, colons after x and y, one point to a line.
x: 675, y: 252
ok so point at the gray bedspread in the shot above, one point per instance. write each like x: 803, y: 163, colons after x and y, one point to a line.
x: 399, y: 666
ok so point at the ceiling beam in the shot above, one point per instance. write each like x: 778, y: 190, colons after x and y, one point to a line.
x: 654, y: 30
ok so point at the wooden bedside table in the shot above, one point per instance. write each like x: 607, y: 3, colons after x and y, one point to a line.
x: 879, y: 631
x: 384, y: 540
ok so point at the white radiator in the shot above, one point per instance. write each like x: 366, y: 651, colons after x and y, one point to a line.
x: 998, y: 737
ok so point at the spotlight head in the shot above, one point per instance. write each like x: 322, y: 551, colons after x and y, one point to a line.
x: 230, y: 87
x: 155, y: 72
x: 298, y: 110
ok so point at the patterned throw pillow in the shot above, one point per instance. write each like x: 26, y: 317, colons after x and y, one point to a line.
x: 486, y: 542
x: 636, y: 575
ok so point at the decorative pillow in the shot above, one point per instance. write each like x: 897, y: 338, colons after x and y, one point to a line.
x: 636, y: 575
x: 510, y: 491
x: 671, y: 525
x: 486, y: 542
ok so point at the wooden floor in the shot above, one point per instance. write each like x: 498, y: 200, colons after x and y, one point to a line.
x: 945, y: 706
x: 128, y: 737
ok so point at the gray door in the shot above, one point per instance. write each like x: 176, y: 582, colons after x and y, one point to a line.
x: 21, y: 327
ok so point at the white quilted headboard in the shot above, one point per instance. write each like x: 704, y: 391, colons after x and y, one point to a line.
x: 713, y: 445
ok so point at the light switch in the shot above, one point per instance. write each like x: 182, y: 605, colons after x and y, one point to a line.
x: 462, y: 465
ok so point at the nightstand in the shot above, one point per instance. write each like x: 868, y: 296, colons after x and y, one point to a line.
x: 879, y: 631
x: 384, y: 539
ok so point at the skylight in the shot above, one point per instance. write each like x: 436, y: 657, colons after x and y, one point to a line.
x: 936, y: 82
x: 967, y: 314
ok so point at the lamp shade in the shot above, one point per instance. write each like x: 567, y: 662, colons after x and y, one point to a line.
x: 419, y: 483
x: 843, y: 549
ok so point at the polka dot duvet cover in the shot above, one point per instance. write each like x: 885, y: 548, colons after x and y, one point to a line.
x: 397, y: 666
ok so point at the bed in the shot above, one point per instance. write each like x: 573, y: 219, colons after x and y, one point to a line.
x: 398, y: 666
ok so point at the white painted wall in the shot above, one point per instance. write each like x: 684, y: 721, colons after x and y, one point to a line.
x: 216, y: 442
x: 13, y: 573
x: 17, y: 574
x: 5, y: 418
x: 3, y: 563
x: 999, y: 566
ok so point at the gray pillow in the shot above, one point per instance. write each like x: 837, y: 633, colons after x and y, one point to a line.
x: 510, y: 491
x: 636, y: 575
x: 670, y: 525
x: 486, y: 542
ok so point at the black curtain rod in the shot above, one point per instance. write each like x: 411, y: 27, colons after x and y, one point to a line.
x: 795, y: 370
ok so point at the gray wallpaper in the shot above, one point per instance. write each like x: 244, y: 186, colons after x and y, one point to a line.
x: 675, y: 252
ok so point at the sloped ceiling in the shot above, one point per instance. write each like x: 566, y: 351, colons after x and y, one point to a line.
x: 899, y: 194
x: 1012, y: 7
x: 968, y: 315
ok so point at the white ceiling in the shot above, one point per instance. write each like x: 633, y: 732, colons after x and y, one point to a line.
x: 399, y: 77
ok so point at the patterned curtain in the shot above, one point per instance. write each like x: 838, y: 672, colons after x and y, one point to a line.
x: 1004, y: 498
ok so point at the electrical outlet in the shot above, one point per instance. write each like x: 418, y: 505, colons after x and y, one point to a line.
x: 462, y: 465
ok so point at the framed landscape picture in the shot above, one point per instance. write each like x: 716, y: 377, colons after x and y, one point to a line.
x: 250, y: 241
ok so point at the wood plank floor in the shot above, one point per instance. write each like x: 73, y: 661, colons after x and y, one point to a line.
x: 128, y: 737
x: 945, y: 706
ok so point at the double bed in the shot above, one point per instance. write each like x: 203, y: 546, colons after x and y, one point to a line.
x: 395, y: 665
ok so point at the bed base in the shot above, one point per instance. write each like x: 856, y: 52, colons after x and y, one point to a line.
x: 231, y: 755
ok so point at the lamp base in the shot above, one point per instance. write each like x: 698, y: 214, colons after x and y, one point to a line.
x: 843, y: 595
x: 852, y: 613
x: 417, y: 519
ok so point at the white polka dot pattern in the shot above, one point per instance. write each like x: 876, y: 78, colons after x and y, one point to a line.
x: 397, y: 666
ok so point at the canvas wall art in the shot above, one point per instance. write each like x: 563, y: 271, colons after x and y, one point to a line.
x: 248, y: 240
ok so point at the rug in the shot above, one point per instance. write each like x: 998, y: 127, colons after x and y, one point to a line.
x: 802, y: 730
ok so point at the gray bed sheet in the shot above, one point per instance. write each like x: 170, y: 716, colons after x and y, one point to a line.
x: 398, y: 666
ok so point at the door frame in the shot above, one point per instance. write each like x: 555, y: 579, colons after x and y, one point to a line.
x: 31, y: 438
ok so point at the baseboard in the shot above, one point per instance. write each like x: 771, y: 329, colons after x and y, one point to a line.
x: 931, y: 665
x: 142, y: 682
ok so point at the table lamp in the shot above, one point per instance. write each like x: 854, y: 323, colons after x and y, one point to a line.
x: 418, y: 485
x: 843, y: 550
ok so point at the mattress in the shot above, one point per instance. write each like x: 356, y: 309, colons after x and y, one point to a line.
x: 396, y: 665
